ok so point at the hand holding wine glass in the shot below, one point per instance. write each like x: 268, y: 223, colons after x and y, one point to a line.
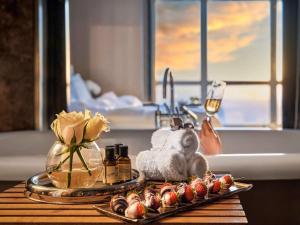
x: 210, y: 140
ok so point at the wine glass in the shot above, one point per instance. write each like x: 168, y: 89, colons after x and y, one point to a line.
x: 214, y: 98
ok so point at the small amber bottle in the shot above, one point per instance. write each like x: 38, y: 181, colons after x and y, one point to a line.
x: 110, y: 166
x: 124, y: 164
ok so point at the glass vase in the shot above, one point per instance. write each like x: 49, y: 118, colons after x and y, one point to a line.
x: 77, y: 166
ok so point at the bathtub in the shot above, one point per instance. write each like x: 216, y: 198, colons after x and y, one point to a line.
x: 253, y: 154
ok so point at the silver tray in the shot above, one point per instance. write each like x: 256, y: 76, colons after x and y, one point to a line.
x: 39, y: 188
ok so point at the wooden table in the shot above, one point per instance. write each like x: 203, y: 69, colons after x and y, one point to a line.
x: 16, y: 209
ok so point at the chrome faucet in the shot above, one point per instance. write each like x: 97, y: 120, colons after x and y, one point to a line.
x: 165, y: 82
x: 169, y: 115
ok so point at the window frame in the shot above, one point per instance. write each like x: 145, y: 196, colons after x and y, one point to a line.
x: 204, y: 82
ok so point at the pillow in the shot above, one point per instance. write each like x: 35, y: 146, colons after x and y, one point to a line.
x: 79, y: 90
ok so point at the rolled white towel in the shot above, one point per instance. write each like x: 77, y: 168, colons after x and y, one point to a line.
x: 172, y: 165
x: 158, y: 165
x: 159, y: 137
x: 197, y: 165
x: 146, y: 164
x: 184, y: 140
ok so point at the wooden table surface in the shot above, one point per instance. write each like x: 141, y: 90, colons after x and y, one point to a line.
x: 16, y: 209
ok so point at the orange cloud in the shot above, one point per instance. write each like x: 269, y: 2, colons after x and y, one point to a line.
x: 231, y: 26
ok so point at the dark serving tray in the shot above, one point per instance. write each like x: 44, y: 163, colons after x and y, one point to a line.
x: 164, y: 212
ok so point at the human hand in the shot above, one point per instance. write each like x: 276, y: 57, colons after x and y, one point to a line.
x: 210, y: 141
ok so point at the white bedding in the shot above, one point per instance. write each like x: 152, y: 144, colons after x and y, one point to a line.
x: 122, y: 118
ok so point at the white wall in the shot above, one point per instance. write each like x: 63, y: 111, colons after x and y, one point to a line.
x: 107, y: 43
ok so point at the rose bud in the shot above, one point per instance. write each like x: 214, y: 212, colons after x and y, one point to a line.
x: 226, y: 181
x: 185, y: 192
x: 136, y: 210
x: 118, y: 204
x: 169, y: 199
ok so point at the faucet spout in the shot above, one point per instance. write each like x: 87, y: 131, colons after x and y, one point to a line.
x: 165, y: 82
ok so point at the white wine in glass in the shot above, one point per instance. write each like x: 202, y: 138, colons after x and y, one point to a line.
x: 214, y: 98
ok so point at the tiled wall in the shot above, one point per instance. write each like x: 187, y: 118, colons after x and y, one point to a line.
x: 16, y: 65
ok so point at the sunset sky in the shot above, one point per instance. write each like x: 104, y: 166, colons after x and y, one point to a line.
x: 238, y: 39
x: 238, y: 44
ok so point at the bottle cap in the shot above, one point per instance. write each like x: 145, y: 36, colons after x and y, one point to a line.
x: 110, y: 152
x: 124, y: 151
x: 117, y: 148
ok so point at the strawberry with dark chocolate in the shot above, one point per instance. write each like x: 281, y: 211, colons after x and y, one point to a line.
x: 118, y: 204
x: 152, y: 199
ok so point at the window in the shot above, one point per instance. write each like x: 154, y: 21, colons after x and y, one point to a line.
x: 238, y: 41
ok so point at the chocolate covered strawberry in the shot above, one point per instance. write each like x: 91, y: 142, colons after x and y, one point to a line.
x: 167, y: 187
x: 133, y: 197
x: 185, y: 192
x: 169, y: 199
x: 200, y: 188
x: 209, y: 177
x: 214, y: 187
x: 118, y: 204
x: 226, y: 181
x: 136, y: 210
x: 152, y: 199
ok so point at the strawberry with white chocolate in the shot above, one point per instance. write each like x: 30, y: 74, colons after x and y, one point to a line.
x: 166, y: 187
x: 209, y: 177
x: 169, y: 199
x: 185, y: 192
x: 133, y: 197
x: 214, y: 187
x: 199, y: 187
x: 226, y: 181
x: 136, y: 210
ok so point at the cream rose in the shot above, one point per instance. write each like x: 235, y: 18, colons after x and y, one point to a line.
x: 69, y: 127
x: 75, y: 127
x: 95, y: 126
